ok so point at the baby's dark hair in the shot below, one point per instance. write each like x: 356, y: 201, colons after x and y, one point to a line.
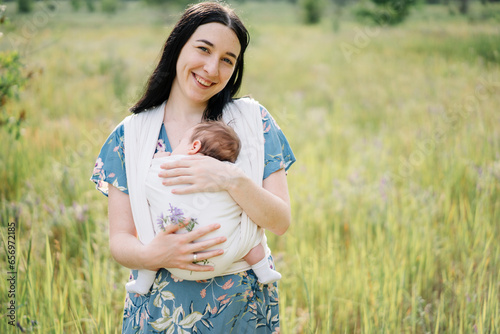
x: 218, y: 140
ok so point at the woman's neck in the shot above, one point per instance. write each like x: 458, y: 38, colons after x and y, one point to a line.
x: 180, y: 108
x: 182, y: 112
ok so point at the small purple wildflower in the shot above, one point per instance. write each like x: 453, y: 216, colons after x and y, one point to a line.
x: 176, y: 217
x: 161, y: 220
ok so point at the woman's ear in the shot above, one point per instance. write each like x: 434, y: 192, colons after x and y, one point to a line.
x: 195, y: 147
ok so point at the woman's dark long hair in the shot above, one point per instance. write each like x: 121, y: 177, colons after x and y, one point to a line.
x: 160, y: 82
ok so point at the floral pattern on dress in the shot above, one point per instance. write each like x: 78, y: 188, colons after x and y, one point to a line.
x: 235, y: 303
x: 278, y: 154
x: 160, y: 146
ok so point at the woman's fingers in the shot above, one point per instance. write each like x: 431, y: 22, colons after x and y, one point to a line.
x: 178, y: 167
x: 176, y: 180
x: 200, y: 257
x: 177, y: 250
x: 184, y: 190
x: 201, y: 173
x: 203, y: 245
x: 195, y: 234
x: 172, y: 228
x: 175, y: 172
x: 199, y: 265
x: 202, y: 231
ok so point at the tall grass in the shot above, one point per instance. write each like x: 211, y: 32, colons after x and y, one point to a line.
x: 395, y: 194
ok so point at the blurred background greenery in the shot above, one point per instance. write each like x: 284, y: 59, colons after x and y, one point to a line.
x: 389, y: 106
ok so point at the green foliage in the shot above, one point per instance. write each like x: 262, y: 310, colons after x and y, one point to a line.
x: 311, y: 10
x: 90, y: 5
x: 11, y: 81
x: 110, y: 6
x: 472, y: 49
x: 12, y: 171
x: 24, y: 6
x: 75, y: 4
x: 386, y: 12
x: 178, y: 3
x: 3, y: 17
x: 484, y: 13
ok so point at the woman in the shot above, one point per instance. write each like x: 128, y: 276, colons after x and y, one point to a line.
x: 197, y: 76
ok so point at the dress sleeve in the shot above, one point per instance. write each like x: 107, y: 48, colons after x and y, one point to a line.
x: 278, y: 153
x: 109, y: 167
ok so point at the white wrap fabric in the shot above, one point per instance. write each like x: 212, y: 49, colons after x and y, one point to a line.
x: 141, y: 135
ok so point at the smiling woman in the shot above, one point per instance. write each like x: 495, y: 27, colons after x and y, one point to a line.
x: 199, y: 73
x: 205, y: 65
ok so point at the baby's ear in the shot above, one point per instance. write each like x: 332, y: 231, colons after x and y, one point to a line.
x: 195, y: 147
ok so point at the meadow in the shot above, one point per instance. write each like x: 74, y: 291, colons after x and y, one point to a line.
x: 395, y: 192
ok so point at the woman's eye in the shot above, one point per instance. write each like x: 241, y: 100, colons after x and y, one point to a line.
x: 227, y: 60
x: 202, y: 48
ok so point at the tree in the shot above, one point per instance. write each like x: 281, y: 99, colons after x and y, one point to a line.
x: 463, y: 6
x: 312, y: 10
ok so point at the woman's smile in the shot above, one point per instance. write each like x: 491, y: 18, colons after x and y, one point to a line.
x: 202, y: 81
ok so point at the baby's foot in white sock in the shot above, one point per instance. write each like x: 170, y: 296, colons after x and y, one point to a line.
x: 134, y: 287
x: 143, y: 283
x: 264, y: 273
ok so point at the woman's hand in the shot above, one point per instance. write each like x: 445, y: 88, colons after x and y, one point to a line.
x: 166, y: 250
x: 172, y: 250
x: 201, y: 173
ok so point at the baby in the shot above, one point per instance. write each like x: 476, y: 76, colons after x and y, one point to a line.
x: 220, y: 141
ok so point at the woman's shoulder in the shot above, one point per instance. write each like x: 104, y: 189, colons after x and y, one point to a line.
x: 119, y: 129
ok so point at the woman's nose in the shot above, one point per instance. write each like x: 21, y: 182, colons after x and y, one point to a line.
x: 212, y: 66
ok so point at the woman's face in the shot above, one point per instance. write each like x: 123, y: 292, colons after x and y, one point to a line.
x: 206, y: 63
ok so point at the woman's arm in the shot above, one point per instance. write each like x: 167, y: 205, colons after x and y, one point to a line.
x: 166, y: 250
x: 267, y: 206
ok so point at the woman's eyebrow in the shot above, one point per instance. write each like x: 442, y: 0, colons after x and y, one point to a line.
x: 212, y: 45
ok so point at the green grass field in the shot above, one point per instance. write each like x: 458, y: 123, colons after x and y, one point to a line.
x: 395, y: 194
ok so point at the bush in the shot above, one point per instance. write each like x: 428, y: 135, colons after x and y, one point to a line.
x: 11, y: 80
x: 24, y: 6
x: 90, y: 5
x: 12, y: 171
x: 75, y: 5
x: 109, y: 6
x: 389, y: 12
x: 311, y: 10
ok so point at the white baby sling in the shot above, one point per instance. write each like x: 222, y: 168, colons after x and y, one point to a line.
x: 141, y: 135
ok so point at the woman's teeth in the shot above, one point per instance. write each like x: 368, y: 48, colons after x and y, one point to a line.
x: 203, y: 82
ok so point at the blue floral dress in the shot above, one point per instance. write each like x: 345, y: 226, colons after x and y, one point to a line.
x: 235, y: 303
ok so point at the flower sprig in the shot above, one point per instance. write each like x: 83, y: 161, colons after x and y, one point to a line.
x: 176, y: 216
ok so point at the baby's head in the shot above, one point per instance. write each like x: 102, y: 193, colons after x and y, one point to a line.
x: 212, y: 138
